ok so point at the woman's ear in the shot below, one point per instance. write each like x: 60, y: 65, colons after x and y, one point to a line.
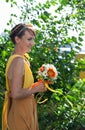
x: 17, y: 39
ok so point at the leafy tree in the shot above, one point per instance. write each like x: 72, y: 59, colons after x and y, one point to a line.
x: 54, y: 21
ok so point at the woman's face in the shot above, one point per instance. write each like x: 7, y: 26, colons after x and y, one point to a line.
x: 26, y: 42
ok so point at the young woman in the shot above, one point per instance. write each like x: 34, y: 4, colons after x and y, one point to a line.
x: 20, y: 108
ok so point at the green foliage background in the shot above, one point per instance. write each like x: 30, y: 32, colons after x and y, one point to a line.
x: 53, y: 28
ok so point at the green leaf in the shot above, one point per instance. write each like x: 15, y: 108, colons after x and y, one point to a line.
x: 7, y: 0
x: 63, y: 2
x: 4, y: 53
x: 80, y: 39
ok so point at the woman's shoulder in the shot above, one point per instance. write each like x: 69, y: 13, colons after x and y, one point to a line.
x: 17, y: 61
x: 15, y: 66
x: 14, y: 60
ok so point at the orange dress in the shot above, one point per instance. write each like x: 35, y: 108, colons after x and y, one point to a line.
x: 20, y: 114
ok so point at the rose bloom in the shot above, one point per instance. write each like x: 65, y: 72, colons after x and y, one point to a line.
x: 42, y: 68
x: 51, y: 73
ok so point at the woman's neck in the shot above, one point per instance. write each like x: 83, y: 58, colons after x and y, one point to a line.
x: 18, y: 51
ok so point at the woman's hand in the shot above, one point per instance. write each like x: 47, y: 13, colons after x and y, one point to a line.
x: 38, y: 87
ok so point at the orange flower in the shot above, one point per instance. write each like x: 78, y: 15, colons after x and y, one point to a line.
x: 51, y: 73
x: 30, y: 25
x: 42, y: 68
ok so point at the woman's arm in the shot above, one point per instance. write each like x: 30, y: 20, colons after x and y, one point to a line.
x: 15, y: 76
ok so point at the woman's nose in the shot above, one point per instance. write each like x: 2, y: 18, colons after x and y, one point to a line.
x: 32, y: 43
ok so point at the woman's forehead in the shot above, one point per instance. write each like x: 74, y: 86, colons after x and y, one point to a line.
x: 29, y: 32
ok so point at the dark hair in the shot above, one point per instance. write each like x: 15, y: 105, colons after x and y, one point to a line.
x: 19, y: 30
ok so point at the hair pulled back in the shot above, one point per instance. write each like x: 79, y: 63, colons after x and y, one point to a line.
x: 19, y: 30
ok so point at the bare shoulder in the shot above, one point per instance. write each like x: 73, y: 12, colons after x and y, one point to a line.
x: 18, y: 61
x: 16, y: 67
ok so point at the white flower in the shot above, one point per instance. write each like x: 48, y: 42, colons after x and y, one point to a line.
x: 47, y: 72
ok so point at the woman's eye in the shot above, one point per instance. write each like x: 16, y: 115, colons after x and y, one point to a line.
x: 29, y: 39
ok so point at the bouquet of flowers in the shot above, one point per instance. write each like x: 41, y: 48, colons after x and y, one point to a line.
x: 48, y: 74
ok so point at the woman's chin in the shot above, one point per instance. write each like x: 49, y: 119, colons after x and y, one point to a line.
x: 29, y: 50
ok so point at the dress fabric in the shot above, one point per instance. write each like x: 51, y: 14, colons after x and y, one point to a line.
x: 20, y: 114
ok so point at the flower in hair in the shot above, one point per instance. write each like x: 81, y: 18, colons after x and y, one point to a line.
x: 31, y: 27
